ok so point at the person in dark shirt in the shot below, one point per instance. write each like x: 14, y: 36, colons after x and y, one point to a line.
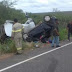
x: 56, y: 34
x: 69, y: 28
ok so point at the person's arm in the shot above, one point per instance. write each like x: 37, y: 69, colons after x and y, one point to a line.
x: 56, y: 31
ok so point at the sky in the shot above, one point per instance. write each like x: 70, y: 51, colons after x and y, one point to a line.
x: 39, y: 6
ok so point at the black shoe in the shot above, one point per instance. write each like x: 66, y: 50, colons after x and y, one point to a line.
x: 57, y: 46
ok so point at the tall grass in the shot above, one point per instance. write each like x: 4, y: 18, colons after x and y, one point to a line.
x: 63, y: 34
x: 9, y: 46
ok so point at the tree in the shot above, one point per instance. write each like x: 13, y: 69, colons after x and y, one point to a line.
x: 7, y: 12
x: 56, y: 10
x: 8, y: 3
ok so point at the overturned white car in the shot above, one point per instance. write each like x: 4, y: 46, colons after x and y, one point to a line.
x: 29, y: 25
x: 6, y: 28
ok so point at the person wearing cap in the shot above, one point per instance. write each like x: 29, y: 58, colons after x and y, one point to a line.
x: 17, y: 31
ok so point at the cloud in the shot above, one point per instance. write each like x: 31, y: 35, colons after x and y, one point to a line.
x: 36, y: 6
x: 42, y: 1
x: 70, y: 2
x: 33, y: 5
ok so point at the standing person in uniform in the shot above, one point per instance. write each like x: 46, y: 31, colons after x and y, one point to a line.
x: 56, y: 34
x: 17, y: 31
x: 69, y: 28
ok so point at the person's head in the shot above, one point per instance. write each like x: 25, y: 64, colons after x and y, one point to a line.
x: 46, y: 18
x: 53, y: 18
x: 56, y: 20
x: 70, y: 22
x: 15, y: 20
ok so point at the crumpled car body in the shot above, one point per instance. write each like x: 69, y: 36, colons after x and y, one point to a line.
x: 41, y: 32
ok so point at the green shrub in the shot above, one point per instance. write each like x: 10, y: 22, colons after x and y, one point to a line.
x: 63, y: 34
x: 7, y: 47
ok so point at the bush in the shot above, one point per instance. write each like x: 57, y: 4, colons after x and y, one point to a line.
x: 63, y: 34
x: 7, y: 47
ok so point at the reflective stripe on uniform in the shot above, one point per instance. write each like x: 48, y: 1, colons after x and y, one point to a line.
x: 17, y: 30
x: 19, y: 48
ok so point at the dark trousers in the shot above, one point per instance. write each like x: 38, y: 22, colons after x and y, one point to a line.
x: 69, y: 33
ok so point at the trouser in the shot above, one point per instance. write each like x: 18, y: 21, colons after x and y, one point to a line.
x: 69, y: 33
x: 18, y: 44
x: 55, y: 40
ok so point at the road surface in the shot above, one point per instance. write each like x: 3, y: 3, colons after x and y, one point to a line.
x: 45, y: 59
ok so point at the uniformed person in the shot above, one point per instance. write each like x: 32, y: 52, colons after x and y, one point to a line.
x: 17, y: 31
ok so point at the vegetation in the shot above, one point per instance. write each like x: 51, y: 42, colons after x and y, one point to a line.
x: 9, y: 46
x: 8, y: 12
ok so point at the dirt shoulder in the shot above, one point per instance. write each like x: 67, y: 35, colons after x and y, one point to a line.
x: 4, y: 56
x: 7, y: 55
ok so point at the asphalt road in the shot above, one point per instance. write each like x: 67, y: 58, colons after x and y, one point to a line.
x: 41, y: 60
